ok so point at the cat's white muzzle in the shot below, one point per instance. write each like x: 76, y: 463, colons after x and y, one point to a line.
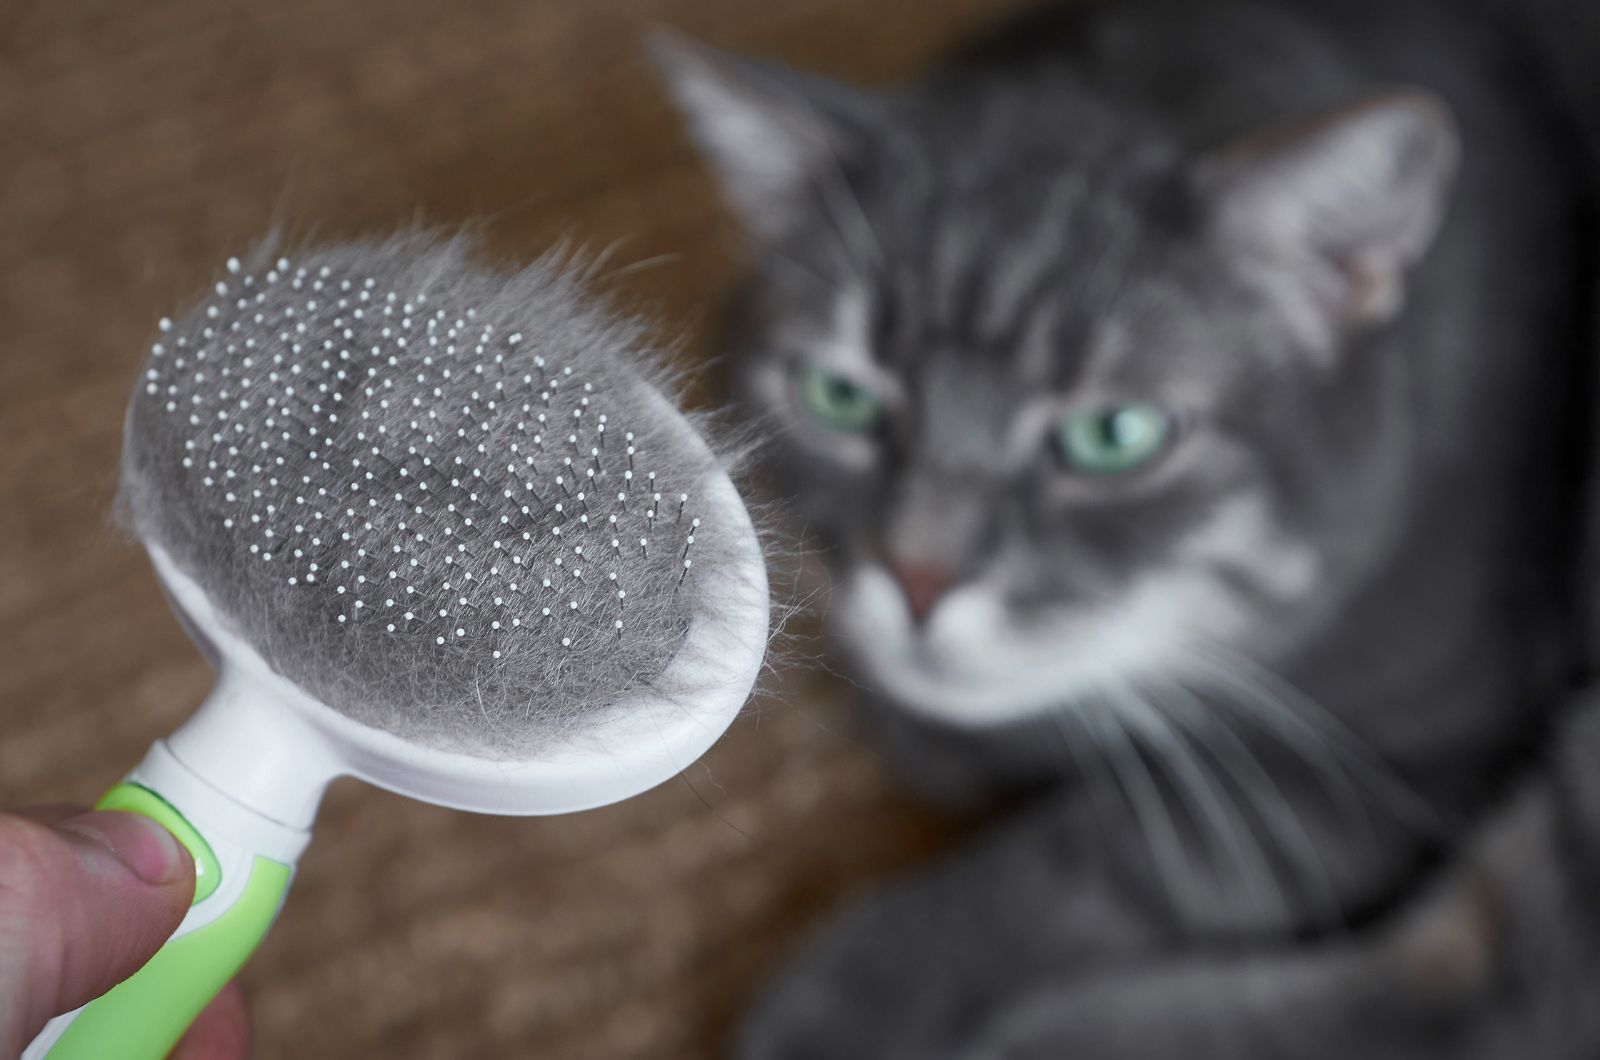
x: 972, y: 664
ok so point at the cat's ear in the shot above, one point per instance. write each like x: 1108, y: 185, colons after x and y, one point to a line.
x: 767, y: 130
x: 1357, y: 197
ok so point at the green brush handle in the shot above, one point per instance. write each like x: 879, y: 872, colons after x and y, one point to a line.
x: 143, y: 1017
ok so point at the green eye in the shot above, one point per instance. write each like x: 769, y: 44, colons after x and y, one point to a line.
x: 836, y: 402
x: 1114, y: 439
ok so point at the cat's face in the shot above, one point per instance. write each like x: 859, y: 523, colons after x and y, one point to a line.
x: 1066, y: 410
x: 1024, y: 512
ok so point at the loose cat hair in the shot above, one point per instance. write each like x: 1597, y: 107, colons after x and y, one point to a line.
x: 1190, y: 399
x: 385, y: 461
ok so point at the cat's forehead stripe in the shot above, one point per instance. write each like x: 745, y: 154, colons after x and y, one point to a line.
x: 1033, y: 311
x: 1018, y: 274
x: 847, y: 345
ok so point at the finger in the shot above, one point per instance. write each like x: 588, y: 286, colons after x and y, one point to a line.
x: 83, y: 905
x: 221, y: 1032
x: 50, y: 813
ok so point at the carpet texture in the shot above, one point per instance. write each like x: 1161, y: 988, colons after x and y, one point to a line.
x: 146, y: 142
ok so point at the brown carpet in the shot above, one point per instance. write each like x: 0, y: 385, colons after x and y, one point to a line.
x: 142, y: 143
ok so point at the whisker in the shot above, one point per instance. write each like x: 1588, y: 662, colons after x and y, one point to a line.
x: 840, y: 202
x: 1149, y: 806
x: 1291, y: 704
x: 1275, y: 812
x: 1217, y: 806
x: 839, y: 199
x: 1259, y: 706
x: 800, y: 273
x: 1091, y: 762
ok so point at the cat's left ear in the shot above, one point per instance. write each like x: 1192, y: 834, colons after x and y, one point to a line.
x: 769, y: 132
x: 1355, y: 198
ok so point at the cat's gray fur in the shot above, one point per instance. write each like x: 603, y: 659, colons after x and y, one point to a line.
x: 1328, y: 790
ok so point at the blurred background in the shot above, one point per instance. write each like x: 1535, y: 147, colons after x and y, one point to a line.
x: 145, y: 143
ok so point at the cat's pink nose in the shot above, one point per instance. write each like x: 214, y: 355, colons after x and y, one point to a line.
x: 923, y: 584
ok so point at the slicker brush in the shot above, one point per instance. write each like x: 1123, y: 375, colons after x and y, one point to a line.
x: 437, y: 526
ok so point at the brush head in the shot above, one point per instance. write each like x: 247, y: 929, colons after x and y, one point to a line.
x: 450, y: 503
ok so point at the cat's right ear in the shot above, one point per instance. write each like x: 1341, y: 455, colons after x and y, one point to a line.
x: 1360, y: 193
x: 769, y: 132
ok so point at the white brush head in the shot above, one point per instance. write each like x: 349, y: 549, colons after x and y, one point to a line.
x: 440, y: 528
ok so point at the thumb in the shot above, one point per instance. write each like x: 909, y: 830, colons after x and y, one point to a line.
x: 85, y: 901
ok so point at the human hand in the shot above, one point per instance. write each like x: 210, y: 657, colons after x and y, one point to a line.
x: 85, y: 900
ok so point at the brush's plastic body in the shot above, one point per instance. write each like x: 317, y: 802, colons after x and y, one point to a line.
x: 239, y: 783
x: 244, y: 863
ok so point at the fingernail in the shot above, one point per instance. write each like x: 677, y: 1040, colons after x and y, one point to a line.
x: 151, y: 851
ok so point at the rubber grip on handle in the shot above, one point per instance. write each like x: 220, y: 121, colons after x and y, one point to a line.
x: 145, y: 1015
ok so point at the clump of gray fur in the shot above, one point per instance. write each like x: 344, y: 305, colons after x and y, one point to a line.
x: 441, y: 499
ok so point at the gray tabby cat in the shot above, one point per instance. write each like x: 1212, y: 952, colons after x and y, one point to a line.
x: 1188, y: 398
